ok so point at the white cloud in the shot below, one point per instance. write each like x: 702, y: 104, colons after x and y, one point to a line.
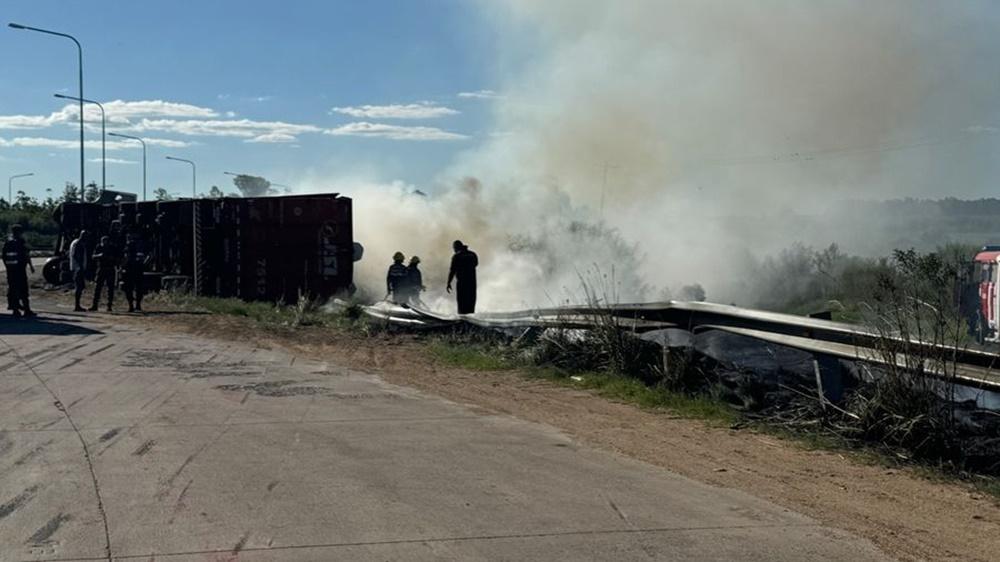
x: 241, y: 128
x: 273, y: 138
x: 28, y: 142
x: 480, y: 94
x: 395, y: 132
x: 113, y: 161
x: 116, y: 112
x: 25, y: 121
x: 422, y: 110
x: 982, y: 129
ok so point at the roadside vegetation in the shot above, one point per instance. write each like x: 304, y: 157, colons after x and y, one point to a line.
x: 806, y: 280
x: 36, y: 216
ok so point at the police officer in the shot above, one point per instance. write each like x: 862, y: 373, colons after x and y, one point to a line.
x: 134, y: 267
x: 395, y: 280
x: 16, y: 259
x: 106, y: 256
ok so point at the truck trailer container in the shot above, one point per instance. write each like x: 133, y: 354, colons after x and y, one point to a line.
x: 276, y: 249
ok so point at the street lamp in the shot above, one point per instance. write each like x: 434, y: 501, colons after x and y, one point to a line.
x: 194, y: 175
x: 10, y: 182
x: 79, y: 50
x: 104, y: 178
x: 196, y: 273
x: 143, y: 159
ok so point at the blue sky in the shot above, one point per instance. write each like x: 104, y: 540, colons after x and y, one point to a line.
x: 248, y: 87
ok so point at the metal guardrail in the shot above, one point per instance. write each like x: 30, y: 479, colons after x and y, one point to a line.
x: 975, y: 368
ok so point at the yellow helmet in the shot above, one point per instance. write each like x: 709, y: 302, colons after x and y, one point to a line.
x: 398, y: 256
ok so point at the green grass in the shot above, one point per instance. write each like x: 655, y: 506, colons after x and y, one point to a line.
x: 634, y: 391
x: 481, y: 357
x: 469, y: 357
x: 267, y: 314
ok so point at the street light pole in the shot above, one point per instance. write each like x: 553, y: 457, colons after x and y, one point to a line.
x: 104, y: 177
x: 194, y: 175
x: 195, y: 226
x: 10, y: 182
x: 79, y: 51
x: 143, y: 159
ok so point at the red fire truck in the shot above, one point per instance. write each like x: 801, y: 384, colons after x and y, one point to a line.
x: 986, y: 268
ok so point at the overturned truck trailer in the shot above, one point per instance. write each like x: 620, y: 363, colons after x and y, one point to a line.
x: 256, y: 248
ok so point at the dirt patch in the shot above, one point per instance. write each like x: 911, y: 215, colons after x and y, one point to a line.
x: 908, y: 516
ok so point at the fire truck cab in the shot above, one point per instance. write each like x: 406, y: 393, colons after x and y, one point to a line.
x: 986, y: 269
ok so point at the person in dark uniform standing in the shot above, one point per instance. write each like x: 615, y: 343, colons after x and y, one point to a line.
x: 395, y: 279
x: 17, y: 259
x: 106, y: 256
x: 463, y: 269
x: 414, y: 282
x: 134, y: 268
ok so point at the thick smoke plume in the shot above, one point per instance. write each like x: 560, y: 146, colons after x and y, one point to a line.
x: 711, y: 131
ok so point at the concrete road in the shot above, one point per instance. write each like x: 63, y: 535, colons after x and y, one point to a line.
x: 119, y: 442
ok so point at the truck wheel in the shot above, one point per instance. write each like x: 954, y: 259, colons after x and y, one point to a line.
x: 52, y: 270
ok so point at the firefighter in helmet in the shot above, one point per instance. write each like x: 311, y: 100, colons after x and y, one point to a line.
x: 395, y: 280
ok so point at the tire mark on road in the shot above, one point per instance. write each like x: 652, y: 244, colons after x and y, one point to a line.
x: 5, y: 443
x: 71, y: 363
x: 46, y: 531
x: 32, y: 453
x: 83, y: 444
x: 100, y: 350
x: 59, y: 353
x: 109, y: 435
x: 242, y: 542
x: 170, y: 481
x: 144, y: 448
x: 180, y: 504
x: 13, y: 505
x: 6, y: 366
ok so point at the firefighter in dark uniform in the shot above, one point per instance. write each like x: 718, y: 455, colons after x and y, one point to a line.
x: 133, y: 269
x: 463, y: 270
x: 414, y: 282
x: 106, y: 257
x: 395, y: 279
x: 17, y: 259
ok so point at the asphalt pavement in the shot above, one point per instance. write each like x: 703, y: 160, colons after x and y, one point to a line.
x: 121, y: 442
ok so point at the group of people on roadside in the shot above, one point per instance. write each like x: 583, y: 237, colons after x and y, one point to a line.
x: 404, y: 283
x: 114, y: 258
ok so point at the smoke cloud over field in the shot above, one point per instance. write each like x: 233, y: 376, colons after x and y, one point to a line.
x: 715, y: 130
